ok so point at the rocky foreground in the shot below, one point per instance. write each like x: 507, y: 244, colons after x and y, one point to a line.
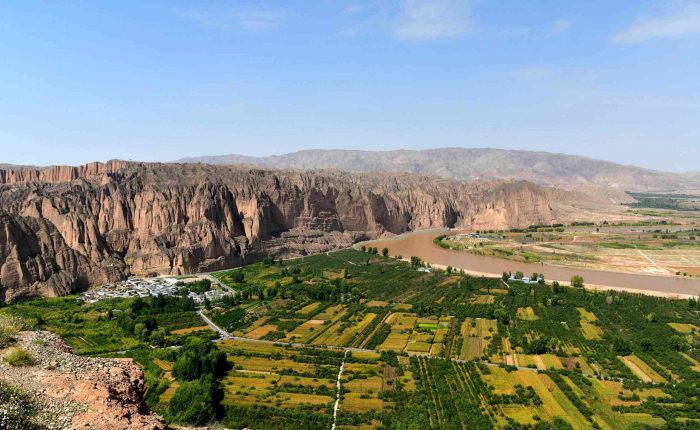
x: 74, y: 392
x: 63, y: 229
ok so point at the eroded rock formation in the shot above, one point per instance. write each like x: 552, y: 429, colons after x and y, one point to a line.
x: 65, y: 228
x: 74, y: 392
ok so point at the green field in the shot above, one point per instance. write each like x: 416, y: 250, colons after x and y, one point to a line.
x: 442, y: 351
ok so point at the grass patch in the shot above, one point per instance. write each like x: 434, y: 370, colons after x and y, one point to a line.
x: 19, y: 357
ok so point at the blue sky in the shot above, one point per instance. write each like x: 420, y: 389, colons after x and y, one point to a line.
x: 159, y: 80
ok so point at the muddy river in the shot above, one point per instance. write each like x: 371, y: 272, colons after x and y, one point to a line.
x: 421, y: 244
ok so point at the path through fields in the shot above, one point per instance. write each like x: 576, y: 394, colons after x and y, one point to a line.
x: 337, y: 395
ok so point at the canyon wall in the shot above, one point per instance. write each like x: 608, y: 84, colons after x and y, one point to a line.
x: 66, y: 228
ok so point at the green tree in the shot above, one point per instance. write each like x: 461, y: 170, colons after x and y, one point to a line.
x: 195, y: 402
x: 577, y: 281
x: 385, y: 252
x: 678, y: 343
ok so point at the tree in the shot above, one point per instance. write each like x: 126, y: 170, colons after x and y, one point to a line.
x: 416, y: 261
x: 501, y: 315
x: 158, y: 337
x: 140, y: 331
x: 195, y: 402
x: 385, y: 252
x: 622, y: 347
x: 577, y: 281
x: 505, y: 276
x: 363, y: 248
x: 556, y: 288
x: 679, y: 343
x: 449, y: 270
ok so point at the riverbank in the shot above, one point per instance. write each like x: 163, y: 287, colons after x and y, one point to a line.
x: 420, y: 244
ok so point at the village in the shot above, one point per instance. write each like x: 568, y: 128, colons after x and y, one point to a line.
x: 157, y: 286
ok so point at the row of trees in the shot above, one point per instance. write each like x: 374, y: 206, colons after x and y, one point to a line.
x: 200, y: 366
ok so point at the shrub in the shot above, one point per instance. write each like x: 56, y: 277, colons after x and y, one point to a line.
x: 577, y: 281
x: 8, y: 330
x: 19, y: 357
x: 17, y: 410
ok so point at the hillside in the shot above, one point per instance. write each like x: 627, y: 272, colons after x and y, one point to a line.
x: 469, y: 164
x: 65, y: 228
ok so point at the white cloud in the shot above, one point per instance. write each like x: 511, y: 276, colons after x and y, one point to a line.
x: 679, y: 21
x: 434, y: 19
x: 251, y: 17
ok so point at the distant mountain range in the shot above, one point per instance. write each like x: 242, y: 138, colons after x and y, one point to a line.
x: 467, y: 164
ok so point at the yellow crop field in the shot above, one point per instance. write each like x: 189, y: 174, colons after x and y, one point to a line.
x: 590, y: 331
x: 485, y: 299
x: 165, y: 365
x: 353, y: 403
x: 403, y: 321
x: 366, y: 355
x: 403, y: 306
x: 440, y: 335
x: 477, y: 335
x: 369, y: 385
x: 519, y: 413
x: 306, y: 381
x: 250, y: 381
x: 306, y: 310
x: 418, y: 347
x: 500, y: 380
x: 331, y: 313
x: 554, y: 401
x: 640, y: 369
x: 694, y: 362
x: 527, y: 314
x: 269, y: 365
x: 248, y: 346
x: 328, y: 333
x: 685, y: 328
x: 417, y: 336
x: 191, y: 329
x: 291, y: 400
x: 346, y: 337
x: 307, y: 329
x: 551, y: 361
x: 396, y: 341
x: 588, y: 327
x: 376, y: 304
x: 586, y: 315
x: 261, y: 331
x: 169, y: 392
x: 645, y: 419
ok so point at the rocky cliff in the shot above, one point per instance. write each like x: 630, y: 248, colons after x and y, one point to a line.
x: 65, y: 228
x: 74, y: 392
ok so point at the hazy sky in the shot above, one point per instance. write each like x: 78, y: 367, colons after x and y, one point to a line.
x: 159, y: 80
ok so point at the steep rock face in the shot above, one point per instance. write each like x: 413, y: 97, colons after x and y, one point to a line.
x: 119, y: 218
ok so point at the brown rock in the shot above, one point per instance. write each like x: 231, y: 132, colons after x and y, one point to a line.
x: 95, y: 393
x: 66, y: 228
